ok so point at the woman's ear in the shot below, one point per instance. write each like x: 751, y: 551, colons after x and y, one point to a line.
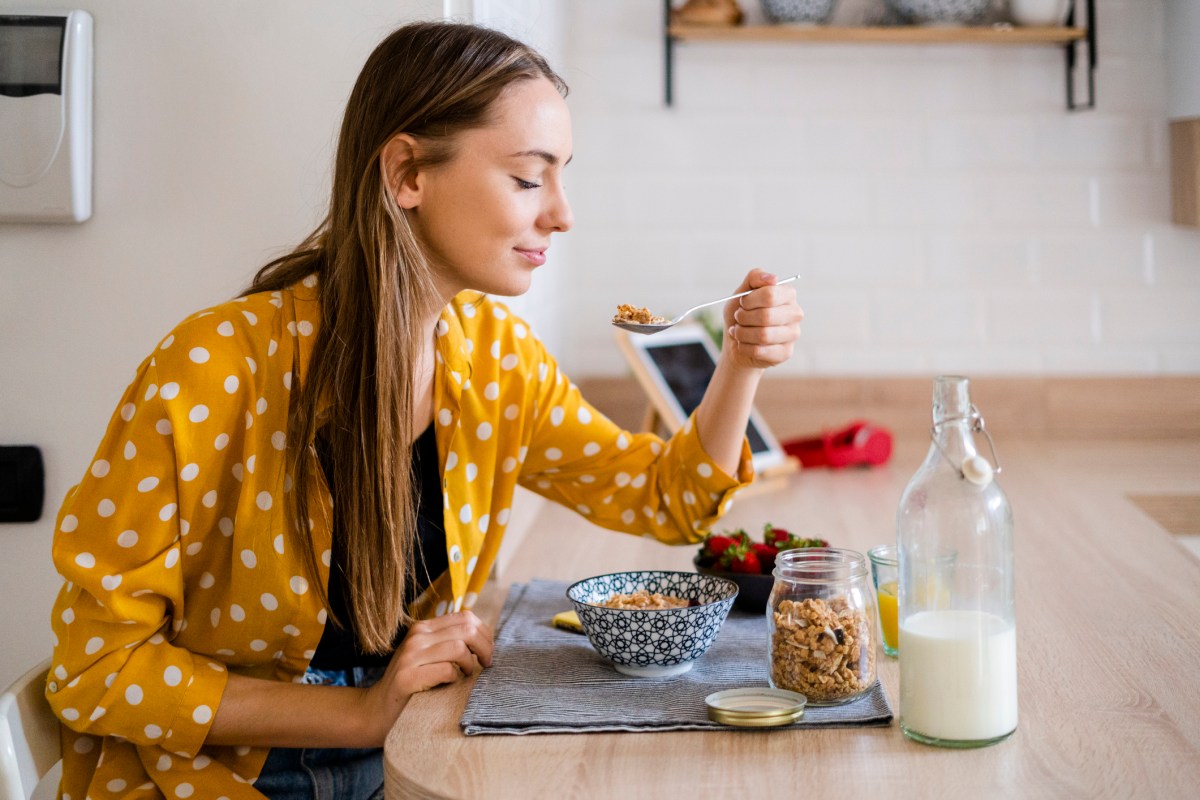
x: 395, y: 163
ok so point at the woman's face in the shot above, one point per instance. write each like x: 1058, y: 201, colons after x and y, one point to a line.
x: 486, y: 216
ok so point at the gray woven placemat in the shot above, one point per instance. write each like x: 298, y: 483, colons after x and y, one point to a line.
x: 546, y: 680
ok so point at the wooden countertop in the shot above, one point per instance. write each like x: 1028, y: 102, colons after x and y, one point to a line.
x: 1108, y: 626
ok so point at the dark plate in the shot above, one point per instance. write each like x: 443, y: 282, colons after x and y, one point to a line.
x: 753, y: 590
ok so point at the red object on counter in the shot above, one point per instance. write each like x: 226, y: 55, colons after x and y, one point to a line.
x: 859, y: 444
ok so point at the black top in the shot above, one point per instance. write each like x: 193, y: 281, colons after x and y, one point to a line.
x: 339, y: 648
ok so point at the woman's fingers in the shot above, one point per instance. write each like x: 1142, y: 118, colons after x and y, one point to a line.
x: 756, y: 281
x: 756, y: 278
x: 768, y: 316
x: 464, y: 625
x: 454, y: 652
x: 768, y: 296
x: 765, y: 323
x: 478, y: 637
x: 464, y: 628
x: 445, y: 621
x: 442, y: 650
x: 434, y: 652
x: 756, y: 343
x: 763, y: 336
x: 764, y: 333
x: 438, y: 674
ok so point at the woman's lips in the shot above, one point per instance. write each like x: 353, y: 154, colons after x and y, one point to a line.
x: 535, y: 257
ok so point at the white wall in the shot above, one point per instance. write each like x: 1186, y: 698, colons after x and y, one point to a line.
x: 541, y: 24
x: 946, y: 212
x: 215, y: 122
x: 1183, y: 59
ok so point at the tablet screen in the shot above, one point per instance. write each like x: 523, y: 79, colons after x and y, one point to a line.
x: 687, y: 368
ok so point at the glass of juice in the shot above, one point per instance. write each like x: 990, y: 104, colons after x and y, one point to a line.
x: 885, y: 571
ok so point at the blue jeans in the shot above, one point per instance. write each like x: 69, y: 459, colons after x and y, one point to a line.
x: 325, y: 773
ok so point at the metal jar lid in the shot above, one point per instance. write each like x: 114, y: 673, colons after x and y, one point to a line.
x: 758, y: 707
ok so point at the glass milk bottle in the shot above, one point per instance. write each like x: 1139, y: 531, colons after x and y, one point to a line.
x: 958, y: 642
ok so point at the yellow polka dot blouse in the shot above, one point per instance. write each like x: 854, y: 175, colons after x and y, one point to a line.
x: 173, y: 549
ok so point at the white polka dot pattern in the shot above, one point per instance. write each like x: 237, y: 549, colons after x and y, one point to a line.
x: 192, y: 469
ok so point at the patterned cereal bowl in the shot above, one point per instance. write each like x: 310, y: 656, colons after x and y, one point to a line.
x: 653, y: 642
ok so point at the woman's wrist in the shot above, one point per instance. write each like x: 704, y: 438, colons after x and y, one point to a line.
x: 378, y: 709
x: 735, y: 372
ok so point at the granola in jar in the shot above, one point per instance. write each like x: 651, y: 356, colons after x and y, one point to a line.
x: 821, y: 618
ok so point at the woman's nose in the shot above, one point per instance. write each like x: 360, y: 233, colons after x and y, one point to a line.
x: 558, y: 216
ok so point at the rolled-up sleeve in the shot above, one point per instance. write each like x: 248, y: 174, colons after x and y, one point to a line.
x: 631, y: 482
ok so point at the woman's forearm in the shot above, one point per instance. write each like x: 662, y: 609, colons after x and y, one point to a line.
x: 761, y: 330
x: 724, y: 412
x: 265, y: 713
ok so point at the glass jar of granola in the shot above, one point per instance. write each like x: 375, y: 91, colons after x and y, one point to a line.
x: 821, y: 619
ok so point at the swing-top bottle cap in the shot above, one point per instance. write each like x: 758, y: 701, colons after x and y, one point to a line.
x: 977, y: 470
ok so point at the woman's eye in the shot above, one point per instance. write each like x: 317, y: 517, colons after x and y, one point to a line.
x: 526, y: 184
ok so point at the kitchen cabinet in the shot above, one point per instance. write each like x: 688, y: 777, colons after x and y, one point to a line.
x: 1185, y: 171
x: 1070, y: 37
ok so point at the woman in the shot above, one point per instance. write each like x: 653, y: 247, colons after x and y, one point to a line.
x: 303, y: 490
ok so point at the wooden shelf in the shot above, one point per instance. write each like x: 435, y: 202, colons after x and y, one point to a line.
x: 892, y: 34
x: 1072, y: 36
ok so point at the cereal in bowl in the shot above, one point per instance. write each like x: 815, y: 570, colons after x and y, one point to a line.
x: 641, y: 600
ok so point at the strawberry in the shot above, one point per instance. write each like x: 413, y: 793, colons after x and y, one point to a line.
x: 766, y: 556
x: 773, y: 536
x: 742, y: 559
x: 714, y: 546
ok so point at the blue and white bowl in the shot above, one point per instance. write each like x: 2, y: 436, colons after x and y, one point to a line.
x: 940, y: 12
x: 797, y: 11
x: 659, y: 642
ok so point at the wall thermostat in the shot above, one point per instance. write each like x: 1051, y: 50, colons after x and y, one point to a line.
x: 46, y: 117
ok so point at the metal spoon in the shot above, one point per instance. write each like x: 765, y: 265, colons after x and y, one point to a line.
x: 648, y: 328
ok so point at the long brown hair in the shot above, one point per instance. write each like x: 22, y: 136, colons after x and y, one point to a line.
x: 431, y: 80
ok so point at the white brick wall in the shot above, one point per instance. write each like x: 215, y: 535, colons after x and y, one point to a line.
x: 539, y: 23
x: 944, y: 208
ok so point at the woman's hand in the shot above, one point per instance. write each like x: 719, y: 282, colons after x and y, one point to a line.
x: 435, y: 651
x: 761, y: 328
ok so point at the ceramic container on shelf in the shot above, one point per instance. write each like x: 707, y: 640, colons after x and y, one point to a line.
x: 940, y: 12
x: 798, y: 11
x: 1039, y: 12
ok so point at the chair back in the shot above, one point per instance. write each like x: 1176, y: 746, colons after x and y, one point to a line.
x: 29, y: 738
